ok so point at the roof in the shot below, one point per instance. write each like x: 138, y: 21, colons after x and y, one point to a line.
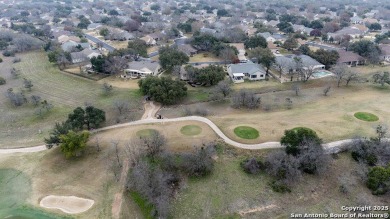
x: 348, y: 56
x: 249, y: 68
x: 187, y: 49
x: 265, y: 34
x: 143, y: 66
x: 288, y: 61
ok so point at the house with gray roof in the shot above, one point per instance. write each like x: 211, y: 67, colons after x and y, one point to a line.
x: 251, y: 71
x: 292, y: 63
x: 141, y: 69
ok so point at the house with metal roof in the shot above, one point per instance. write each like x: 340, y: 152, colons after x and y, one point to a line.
x: 251, y: 71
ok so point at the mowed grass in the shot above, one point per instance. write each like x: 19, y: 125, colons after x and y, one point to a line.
x: 230, y: 193
x: 15, y: 189
x: 146, y: 132
x: 191, y: 130
x: 21, y: 126
x: 368, y: 117
x: 246, y: 132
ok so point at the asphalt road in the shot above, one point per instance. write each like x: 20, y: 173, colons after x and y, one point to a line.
x: 326, y: 47
x: 96, y: 40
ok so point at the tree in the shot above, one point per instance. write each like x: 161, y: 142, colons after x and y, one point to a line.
x: 379, y: 180
x: 121, y: 106
x: 255, y: 41
x: 186, y: 27
x: 382, y: 78
x: 98, y: 63
x: 245, y: 99
x: 77, y: 119
x: 364, y: 48
x: 221, y: 90
x: 94, y: 117
x: 375, y: 26
x: 294, y: 138
x: 170, y: 57
x: 228, y: 54
x: 296, y: 88
x: 17, y: 99
x: 290, y: 43
x: 163, y: 90
x: 264, y: 56
x: 104, y: 32
x: 199, y: 163
x: 131, y: 25
x: 155, y: 7
x: 58, y: 130
x: 316, y: 33
x: 305, y: 50
x: 326, y: 90
x: 326, y: 57
x: 210, y: 75
x: 113, y: 12
x: 285, y: 27
x: 339, y: 72
x: 155, y: 144
x: 72, y: 143
x: 139, y: 47
x: 27, y: 84
x: 107, y: 88
x: 222, y: 13
x: 316, y: 24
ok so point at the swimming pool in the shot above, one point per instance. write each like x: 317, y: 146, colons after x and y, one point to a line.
x: 321, y: 74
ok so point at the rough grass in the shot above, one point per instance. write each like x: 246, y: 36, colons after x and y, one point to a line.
x: 368, y: 117
x: 229, y: 192
x: 246, y: 132
x: 145, y: 207
x: 20, y: 126
x: 305, y: 128
x: 191, y: 130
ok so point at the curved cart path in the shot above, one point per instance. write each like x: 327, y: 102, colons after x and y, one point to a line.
x: 328, y: 146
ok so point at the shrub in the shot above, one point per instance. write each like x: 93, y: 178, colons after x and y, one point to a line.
x: 2, y: 81
x: 1, y: 60
x: 293, y: 138
x: 16, y: 60
x: 252, y: 166
x: 379, y: 180
x: 199, y: 163
x: 8, y: 53
x: 279, y: 186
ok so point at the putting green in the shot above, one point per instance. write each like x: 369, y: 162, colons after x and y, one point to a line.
x: 146, y: 132
x: 191, y: 130
x: 368, y: 117
x: 246, y: 132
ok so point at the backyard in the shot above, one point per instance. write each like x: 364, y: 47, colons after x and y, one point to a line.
x: 21, y: 126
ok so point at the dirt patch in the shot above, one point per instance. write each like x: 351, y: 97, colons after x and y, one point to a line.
x: 67, y: 204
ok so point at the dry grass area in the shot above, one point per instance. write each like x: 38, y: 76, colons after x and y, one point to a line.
x: 200, y: 57
x: 118, y: 82
x: 118, y: 44
x: 152, y: 49
x: 176, y: 140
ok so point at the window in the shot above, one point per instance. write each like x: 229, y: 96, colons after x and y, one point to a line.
x: 253, y: 76
x: 261, y: 75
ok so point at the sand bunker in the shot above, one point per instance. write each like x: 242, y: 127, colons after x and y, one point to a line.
x: 67, y: 204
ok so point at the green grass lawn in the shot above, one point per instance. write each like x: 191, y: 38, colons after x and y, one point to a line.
x: 191, y: 130
x: 15, y: 189
x: 246, y: 132
x: 146, y: 132
x: 368, y: 117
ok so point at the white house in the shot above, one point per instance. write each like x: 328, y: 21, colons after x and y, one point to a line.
x: 141, y: 69
x: 249, y: 70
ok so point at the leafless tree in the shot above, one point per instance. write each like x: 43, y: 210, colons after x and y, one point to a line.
x: 221, y: 90
x: 107, y: 88
x: 15, y: 73
x: 115, y: 64
x: 27, y: 84
x: 154, y: 144
x: 62, y: 61
x: 296, y: 88
x: 339, y: 72
x: 97, y: 143
x: 26, y: 43
x: 289, y: 103
x: 17, y: 99
x: 283, y: 167
x: 228, y: 55
x: 351, y: 76
x: 131, y: 25
x: 307, y: 73
x: 246, y: 99
x: 326, y: 90
x: 121, y: 106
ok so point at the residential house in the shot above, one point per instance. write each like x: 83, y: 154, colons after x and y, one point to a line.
x: 251, y: 71
x: 356, y: 20
x: 302, y: 29
x: 206, y: 30
x: 354, y: 32
x: 187, y: 49
x: 141, y: 69
x: 272, y: 23
x: 84, y: 56
x: 149, y: 40
x: 291, y: 63
x: 350, y: 58
x: 385, y: 52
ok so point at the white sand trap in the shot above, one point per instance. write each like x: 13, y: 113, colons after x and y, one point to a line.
x: 67, y: 204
